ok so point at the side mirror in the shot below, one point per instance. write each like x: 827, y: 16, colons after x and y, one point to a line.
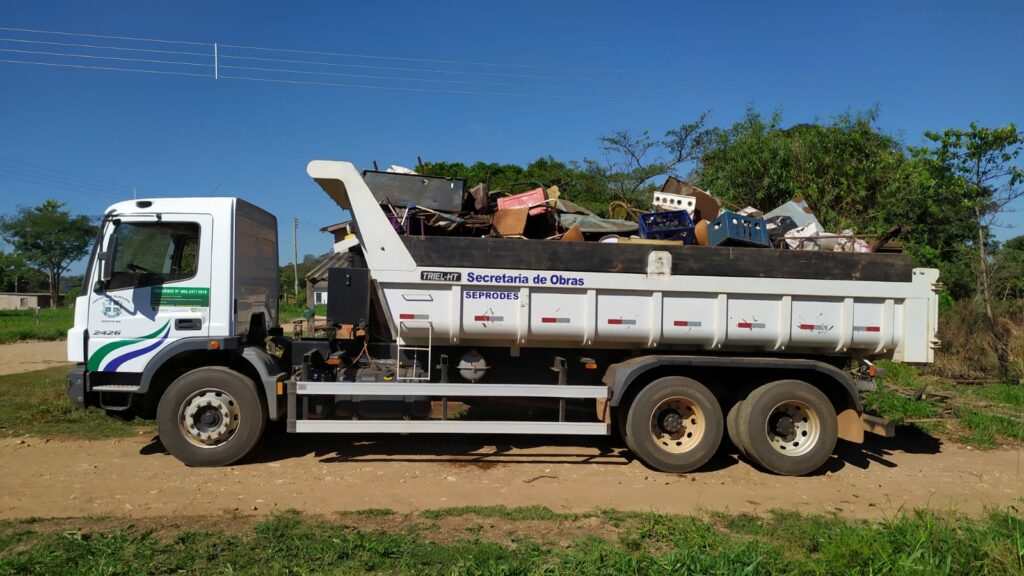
x: 106, y: 268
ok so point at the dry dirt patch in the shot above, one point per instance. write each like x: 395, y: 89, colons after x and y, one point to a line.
x: 28, y: 356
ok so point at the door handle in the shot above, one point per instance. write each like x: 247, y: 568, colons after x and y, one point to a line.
x: 188, y: 323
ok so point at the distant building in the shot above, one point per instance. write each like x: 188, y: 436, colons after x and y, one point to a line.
x: 320, y: 292
x: 316, y: 279
x: 24, y: 300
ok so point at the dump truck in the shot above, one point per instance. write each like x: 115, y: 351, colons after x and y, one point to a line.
x: 670, y: 349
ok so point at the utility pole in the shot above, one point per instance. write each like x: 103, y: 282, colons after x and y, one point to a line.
x: 295, y: 256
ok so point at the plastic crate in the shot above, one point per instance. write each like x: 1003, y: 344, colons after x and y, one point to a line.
x: 732, y: 229
x: 675, y: 225
x: 665, y: 201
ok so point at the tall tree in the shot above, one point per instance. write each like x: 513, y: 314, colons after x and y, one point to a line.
x: 16, y: 275
x: 987, y: 161
x: 50, y: 238
x: 632, y: 160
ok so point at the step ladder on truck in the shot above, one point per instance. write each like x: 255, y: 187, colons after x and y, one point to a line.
x: 671, y: 348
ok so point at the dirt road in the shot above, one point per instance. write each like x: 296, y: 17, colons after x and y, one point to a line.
x: 27, y: 356
x: 323, y: 474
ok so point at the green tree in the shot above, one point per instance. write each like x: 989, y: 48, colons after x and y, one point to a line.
x: 633, y: 160
x: 17, y: 275
x: 846, y: 168
x: 50, y: 238
x: 1008, y: 270
x: 286, y: 277
x: 573, y: 181
x: 986, y: 160
x: 854, y: 176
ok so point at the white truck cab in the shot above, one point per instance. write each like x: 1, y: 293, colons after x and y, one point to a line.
x: 170, y: 279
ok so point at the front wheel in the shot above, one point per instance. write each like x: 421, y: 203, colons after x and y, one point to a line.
x: 210, y: 416
x: 675, y: 424
x: 788, y: 427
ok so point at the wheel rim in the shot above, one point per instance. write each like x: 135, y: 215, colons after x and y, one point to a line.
x: 793, y: 428
x: 677, y: 425
x: 209, y: 418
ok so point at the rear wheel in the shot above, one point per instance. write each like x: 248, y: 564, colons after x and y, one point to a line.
x: 675, y: 424
x: 788, y: 427
x: 732, y: 427
x: 210, y: 416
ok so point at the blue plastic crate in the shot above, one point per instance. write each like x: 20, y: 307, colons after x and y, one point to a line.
x: 732, y: 229
x: 673, y: 225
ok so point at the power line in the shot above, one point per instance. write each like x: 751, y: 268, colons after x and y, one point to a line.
x: 430, y: 70
x: 64, y: 187
x: 325, y: 53
x: 334, y: 84
x: 48, y: 171
x: 118, y: 58
x: 55, y: 180
x: 407, y: 79
x: 104, y: 36
x: 290, y: 71
x: 428, y: 60
x: 97, y: 47
x: 111, y: 68
x: 61, y: 179
x: 409, y: 89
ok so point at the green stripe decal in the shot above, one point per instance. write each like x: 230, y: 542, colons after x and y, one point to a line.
x: 97, y: 358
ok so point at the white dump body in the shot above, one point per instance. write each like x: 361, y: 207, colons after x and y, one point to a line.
x: 492, y: 306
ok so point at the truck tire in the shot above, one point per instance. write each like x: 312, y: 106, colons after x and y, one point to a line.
x: 210, y: 416
x: 787, y: 427
x: 732, y: 427
x: 675, y: 424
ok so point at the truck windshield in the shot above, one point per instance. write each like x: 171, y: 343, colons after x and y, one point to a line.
x: 148, y: 254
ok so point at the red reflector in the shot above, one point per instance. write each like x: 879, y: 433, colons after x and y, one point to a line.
x: 873, y: 329
x: 745, y: 325
x: 406, y: 316
x: 615, y: 320
x: 680, y: 323
x: 549, y: 320
x: 481, y: 318
x: 807, y: 326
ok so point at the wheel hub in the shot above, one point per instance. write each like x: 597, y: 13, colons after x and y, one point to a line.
x: 783, y: 425
x: 209, y: 417
x: 677, y: 425
x: 671, y: 422
x: 793, y: 428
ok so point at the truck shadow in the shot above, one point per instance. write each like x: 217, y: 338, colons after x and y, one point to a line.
x: 488, y: 451
x: 878, y: 450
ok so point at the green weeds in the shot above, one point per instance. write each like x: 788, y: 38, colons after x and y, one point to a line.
x: 52, y: 324
x: 922, y: 542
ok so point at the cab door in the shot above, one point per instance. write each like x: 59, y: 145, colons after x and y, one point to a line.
x: 158, y: 291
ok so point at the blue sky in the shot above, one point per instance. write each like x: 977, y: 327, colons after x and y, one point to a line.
x: 929, y: 65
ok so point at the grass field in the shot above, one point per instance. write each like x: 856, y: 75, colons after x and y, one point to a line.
x: 288, y: 311
x: 510, y: 541
x: 35, y: 403
x: 983, y: 415
x: 52, y: 324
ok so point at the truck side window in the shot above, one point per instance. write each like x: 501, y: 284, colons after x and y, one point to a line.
x: 149, y: 254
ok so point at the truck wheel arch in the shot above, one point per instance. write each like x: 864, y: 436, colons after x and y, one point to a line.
x: 188, y: 354
x: 626, y: 378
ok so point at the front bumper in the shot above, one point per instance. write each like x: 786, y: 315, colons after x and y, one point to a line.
x: 76, y: 385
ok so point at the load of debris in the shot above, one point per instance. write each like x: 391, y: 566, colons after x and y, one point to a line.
x: 683, y: 214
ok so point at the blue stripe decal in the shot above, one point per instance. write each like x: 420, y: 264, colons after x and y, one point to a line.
x: 116, y: 363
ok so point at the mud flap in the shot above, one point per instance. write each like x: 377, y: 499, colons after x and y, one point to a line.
x: 851, y: 427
